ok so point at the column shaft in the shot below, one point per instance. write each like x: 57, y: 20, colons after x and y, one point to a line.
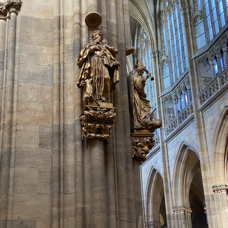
x: 98, y: 188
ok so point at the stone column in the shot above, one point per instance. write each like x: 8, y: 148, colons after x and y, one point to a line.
x: 220, y: 194
x: 219, y: 64
x: 212, y: 69
x: 8, y: 152
x: 3, y: 192
x: 92, y: 6
x: 98, y: 188
x: 174, y: 100
x: 225, y: 55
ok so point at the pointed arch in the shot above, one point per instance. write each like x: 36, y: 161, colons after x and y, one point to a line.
x: 219, y: 149
x: 186, y: 166
x: 154, y: 196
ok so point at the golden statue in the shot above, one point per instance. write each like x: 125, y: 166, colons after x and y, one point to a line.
x: 141, y: 116
x: 99, y: 70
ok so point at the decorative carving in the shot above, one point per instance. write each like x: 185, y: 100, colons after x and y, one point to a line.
x: 141, y: 146
x: 197, y: 15
x: 97, y: 62
x: 164, y: 58
x: 215, y: 85
x: 9, y: 6
x: 220, y: 188
x: 142, y: 119
x: 182, y: 210
x: 97, y: 122
x: 139, y: 105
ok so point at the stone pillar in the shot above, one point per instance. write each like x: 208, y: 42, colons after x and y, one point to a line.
x: 92, y: 6
x: 8, y: 153
x: 225, y: 55
x: 212, y: 69
x: 174, y: 99
x: 220, y: 194
x: 98, y: 188
x: 219, y: 64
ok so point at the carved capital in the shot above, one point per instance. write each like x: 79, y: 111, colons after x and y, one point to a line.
x: 97, y: 122
x: 8, y: 7
x: 141, y: 145
x: 220, y: 188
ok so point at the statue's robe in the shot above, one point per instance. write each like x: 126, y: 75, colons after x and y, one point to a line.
x: 98, y: 62
x: 139, y: 106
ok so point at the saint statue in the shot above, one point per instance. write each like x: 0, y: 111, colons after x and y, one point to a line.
x: 140, y: 109
x: 99, y: 70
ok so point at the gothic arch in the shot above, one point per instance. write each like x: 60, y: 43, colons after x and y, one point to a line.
x: 219, y: 149
x: 185, y: 168
x: 154, y: 196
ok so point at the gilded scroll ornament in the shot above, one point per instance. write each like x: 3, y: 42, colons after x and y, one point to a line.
x: 98, y: 64
x: 97, y: 122
x: 98, y: 77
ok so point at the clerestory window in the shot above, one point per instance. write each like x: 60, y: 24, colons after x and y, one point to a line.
x: 174, y: 44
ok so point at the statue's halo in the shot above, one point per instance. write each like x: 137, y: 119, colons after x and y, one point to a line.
x: 93, y: 19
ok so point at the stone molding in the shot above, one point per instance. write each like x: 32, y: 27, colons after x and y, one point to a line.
x: 220, y: 188
x: 213, y: 49
x: 182, y: 210
x: 179, y: 119
x: 9, y: 7
x: 97, y: 122
x: 214, y: 87
x: 152, y: 224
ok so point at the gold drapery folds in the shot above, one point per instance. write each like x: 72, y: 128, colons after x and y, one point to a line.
x: 98, y: 65
x: 98, y: 77
x: 142, y: 123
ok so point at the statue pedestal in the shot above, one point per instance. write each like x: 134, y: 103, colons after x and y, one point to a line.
x: 142, y: 141
x: 97, y: 121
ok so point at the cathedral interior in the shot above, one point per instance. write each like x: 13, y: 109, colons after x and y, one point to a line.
x: 114, y: 114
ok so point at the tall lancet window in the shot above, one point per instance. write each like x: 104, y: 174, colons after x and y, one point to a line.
x: 215, y: 12
x: 174, y: 44
x: 146, y: 56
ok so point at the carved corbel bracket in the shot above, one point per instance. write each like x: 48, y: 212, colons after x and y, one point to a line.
x: 97, y: 122
x: 9, y: 7
x: 141, y: 145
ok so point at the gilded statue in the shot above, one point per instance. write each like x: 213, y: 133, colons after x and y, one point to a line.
x: 141, y: 116
x: 99, y: 70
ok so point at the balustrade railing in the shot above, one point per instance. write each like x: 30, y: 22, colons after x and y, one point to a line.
x: 220, y: 81
x: 179, y: 119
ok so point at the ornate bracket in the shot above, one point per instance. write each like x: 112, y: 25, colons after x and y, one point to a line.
x: 8, y: 7
x: 141, y: 145
x: 97, y: 122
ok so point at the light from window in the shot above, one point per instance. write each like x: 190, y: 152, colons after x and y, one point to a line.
x: 186, y: 98
x: 200, y: 34
x: 208, y: 19
x: 182, y: 101
x: 216, y: 66
x: 166, y: 78
x: 214, y: 12
x: 221, y: 13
